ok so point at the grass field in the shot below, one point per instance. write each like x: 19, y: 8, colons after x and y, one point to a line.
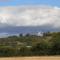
x: 32, y: 58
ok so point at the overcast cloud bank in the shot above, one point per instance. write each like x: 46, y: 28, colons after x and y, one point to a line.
x: 30, y: 16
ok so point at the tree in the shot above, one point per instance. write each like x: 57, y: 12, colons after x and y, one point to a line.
x: 21, y: 35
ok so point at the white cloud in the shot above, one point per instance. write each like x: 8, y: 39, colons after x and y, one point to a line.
x: 30, y: 16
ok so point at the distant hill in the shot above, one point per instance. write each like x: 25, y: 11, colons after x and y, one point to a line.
x: 11, y: 30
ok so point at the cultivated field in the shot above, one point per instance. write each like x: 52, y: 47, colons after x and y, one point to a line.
x: 32, y: 58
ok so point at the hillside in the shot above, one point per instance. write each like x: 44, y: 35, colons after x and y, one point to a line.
x: 31, y: 45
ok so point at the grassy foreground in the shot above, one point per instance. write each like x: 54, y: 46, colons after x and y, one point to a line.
x: 32, y: 58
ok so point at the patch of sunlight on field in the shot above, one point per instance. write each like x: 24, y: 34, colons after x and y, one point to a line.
x: 32, y: 58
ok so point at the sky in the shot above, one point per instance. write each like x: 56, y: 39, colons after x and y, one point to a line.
x: 42, y: 15
x: 29, y: 2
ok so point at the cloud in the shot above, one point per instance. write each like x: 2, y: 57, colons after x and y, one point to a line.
x: 30, y: 16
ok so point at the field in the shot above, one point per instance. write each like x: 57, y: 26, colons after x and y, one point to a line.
x: 32, y: 58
